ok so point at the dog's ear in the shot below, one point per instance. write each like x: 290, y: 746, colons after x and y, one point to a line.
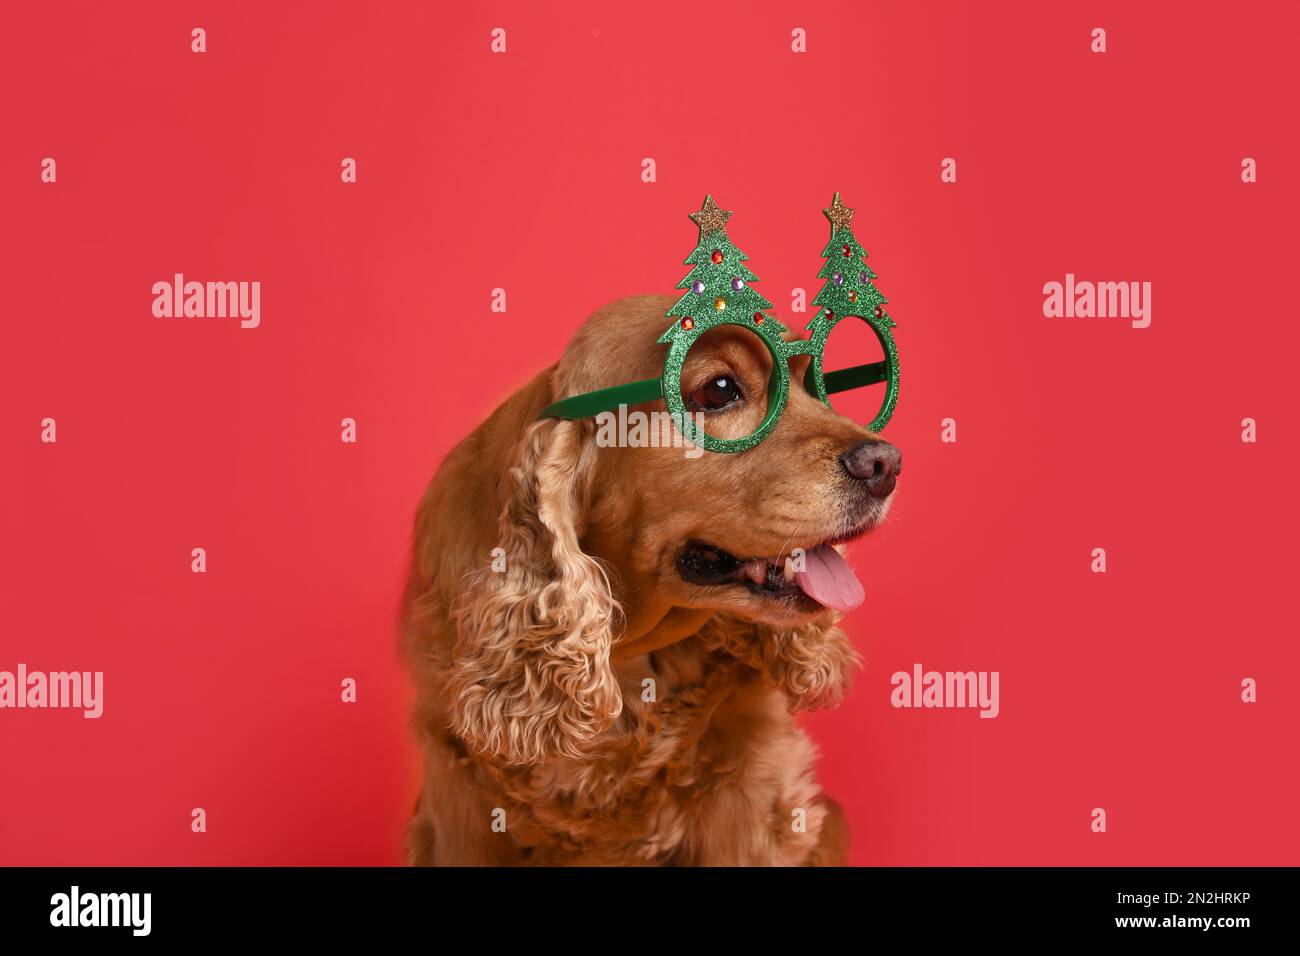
x: 812, y: 664
x: 530, y: 677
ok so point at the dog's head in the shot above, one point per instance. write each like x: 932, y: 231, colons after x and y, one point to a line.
x: 603, y: 541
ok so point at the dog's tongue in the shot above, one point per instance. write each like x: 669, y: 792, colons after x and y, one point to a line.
x: 828, y: 579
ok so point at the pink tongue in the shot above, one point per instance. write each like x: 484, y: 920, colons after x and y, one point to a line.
x: 829, y: 580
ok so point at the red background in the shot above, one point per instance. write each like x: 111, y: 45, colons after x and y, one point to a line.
x: 522, y: 171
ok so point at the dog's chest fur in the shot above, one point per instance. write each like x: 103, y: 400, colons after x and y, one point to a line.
x: 705, y: 764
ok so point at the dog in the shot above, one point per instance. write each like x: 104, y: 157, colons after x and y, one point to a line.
x: 607, y: 646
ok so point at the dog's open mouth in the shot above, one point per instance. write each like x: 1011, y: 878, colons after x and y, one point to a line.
x: 819, y: 575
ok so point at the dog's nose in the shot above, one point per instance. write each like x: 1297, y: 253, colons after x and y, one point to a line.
x: 875, y: 462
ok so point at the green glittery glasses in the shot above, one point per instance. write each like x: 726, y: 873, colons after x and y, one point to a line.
x: 719, y: 296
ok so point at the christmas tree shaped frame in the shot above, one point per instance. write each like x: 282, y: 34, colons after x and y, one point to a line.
x: 719, y: 293
x: 850, y: 292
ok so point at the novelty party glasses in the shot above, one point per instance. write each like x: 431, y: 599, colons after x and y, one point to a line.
x: 720, y: 298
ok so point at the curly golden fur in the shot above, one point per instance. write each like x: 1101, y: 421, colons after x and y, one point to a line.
x: 541, y: 742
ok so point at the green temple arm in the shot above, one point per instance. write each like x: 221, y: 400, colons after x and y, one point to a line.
x: 651, y: 390
x: 855, y: 377
x: 605, y: 400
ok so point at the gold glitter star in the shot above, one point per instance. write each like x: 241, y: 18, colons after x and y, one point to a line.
x: 839, y: 214
x: 710, y: 218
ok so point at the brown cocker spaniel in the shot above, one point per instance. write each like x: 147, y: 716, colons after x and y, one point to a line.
x: 609, y: 644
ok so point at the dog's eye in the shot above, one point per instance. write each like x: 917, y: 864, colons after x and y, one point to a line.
x: 716, y: 393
